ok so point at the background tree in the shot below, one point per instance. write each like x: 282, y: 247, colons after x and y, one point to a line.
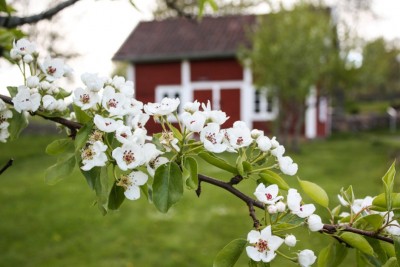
x: 291, y: 50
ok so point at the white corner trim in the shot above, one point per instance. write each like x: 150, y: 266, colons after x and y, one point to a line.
x: 311, y: 114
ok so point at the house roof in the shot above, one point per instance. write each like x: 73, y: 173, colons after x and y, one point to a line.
x: 180, y: 38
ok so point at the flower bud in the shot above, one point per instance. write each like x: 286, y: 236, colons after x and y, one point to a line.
x: 15, y: 55
x: 27, y: 58
x: 255, y: 133
x: 306, y: 258
x: 290, y: 240
x: 314, y: 223
x: 272, y: 209
x: 280, y: 206
x: 32, y: 81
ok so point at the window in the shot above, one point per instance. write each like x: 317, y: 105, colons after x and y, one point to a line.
x: 264, y: 106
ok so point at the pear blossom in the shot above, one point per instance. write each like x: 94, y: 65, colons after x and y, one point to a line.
x: 4, y: 134
x: 129, y: 156
x: 25, y: 100
x: 274, y: 142
x: 92, y: 81
x: 278, y: 151
x: 32, y: 81
x: 306, y: 258
x: 394, y: 227
x: 5, y: 114
x: 314, y: 223
x: 140, y: 136
x: 85, y: 99
x: 342, y: 201
x: 212, y: 138
x: 193, y: 122
x: 131, y: 183
x: 53, y: 68
x: 191, y: 107
x: 263, y: 143
x: 295, y: 206
x: 290, y: 240
x: 152, y: 165
x: 255, y: 133
x: 22, y: 47
x: 362, y: 204
x: 267, y: 195
x: 239, y: 135
x: 49, y: 102
x: 263, y: 245
x: 287, y: 165
x: 133, y: 107
x: 113, y: 102
x: 215, y: 116
x: 138, y: 121
x: 280, y: 206
x: 272, y: 209
x: 107, y: 125
x: 166, y: 107
x: 93, y: 155
x: 127, y: 89
x: 123, y: 134
x: 27, y: 58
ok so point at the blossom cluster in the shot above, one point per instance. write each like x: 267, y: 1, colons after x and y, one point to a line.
x: 363, y: 207
x: 263, y: 244
x: 207, y: 123
x: 39, y: 91
x: 5, y: 115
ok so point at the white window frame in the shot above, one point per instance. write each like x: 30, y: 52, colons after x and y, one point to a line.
x: 264, y: 114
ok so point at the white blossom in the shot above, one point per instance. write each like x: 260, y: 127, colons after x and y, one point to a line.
x: 166, y: 107
x: 107, y: 125
x: 129, y: 156
x: 287, y: 165
x: 215, y: 116
x: 191, y: 107
x: 194, y: 122
x: 32, y: 81
x: 267, y: 195
x: 295, y: 206
x: 306, y: 258
x: 290, y: 240
x: 123, y: 134
x: 263, y: 143
x: 314, y: 223
x: 280, y: 206
x: 93, y: 155
x: 263, y: 245
x: 239, y: 135
x: 25, y: 101
x: 212, y: 138
x: 278, y: 151
x: 113, y: 102
x: 23, y: 47
x: 4, y: 134
x: 152, y: 165
x: 92, y: 81
x: 139, y: 121
x: 53, y: 68
x: 85, y: 99
x: 132, y: 183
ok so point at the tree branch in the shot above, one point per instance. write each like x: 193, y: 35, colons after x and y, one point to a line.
x: 15, y: 21
x: 8, y: 165
x: 331, y: 229
x: 72, y: 125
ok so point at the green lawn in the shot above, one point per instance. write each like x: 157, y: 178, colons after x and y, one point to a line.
x: 42, y: 225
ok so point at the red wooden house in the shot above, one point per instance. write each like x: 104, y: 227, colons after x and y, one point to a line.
x: 198, y: 61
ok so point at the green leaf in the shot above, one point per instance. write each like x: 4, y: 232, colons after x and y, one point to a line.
x: 332, y: 255
x: 348, y: 194
x: 18, y: 123
x: 190, y: 166
x: 116, y: 197
x: 218, y: 162
x: 81, y: 116
x: 315, y: 192
x: 381, y: 201
x: 62, y: 169
x: 176, y: 132
x: 388, y: 182
x: 91, y: 176
x: 396, y: 240
x: 271, y: 177
x: 167, y: 186
x: 379, y: 253
x: 392, y: 262
x: 59, y: 146
x: 83, y: 135
x: 229, y: 255
x: 13, y: 90
x: 239, y: 166
x: 388, y: 248
x: 101, y: 188
x: 358, y: 242
x: 370, y: 222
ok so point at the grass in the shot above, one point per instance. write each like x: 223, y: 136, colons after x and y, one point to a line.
x: 43, y: 225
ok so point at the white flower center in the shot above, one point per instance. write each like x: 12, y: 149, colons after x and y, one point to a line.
x: 85, y: 98
x: 51, y: 70
x: 211, y: 137
x: 112, y: 103
x: 88, y: 153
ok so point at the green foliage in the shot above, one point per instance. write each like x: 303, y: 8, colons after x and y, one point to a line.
x: 218, y: 162
x: 18, y: 123
x: 116, y: 197
x: 59, y: 146
x: 101, y: 189
x: 229, y: 255
x: 61, y: 170
x: 358, y: 242
x: 190, y: 172
x: 167, y: 186
x: 270, y: 177
x: 315, y: 192
x: 388, y: 182
x: 332, y: 255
